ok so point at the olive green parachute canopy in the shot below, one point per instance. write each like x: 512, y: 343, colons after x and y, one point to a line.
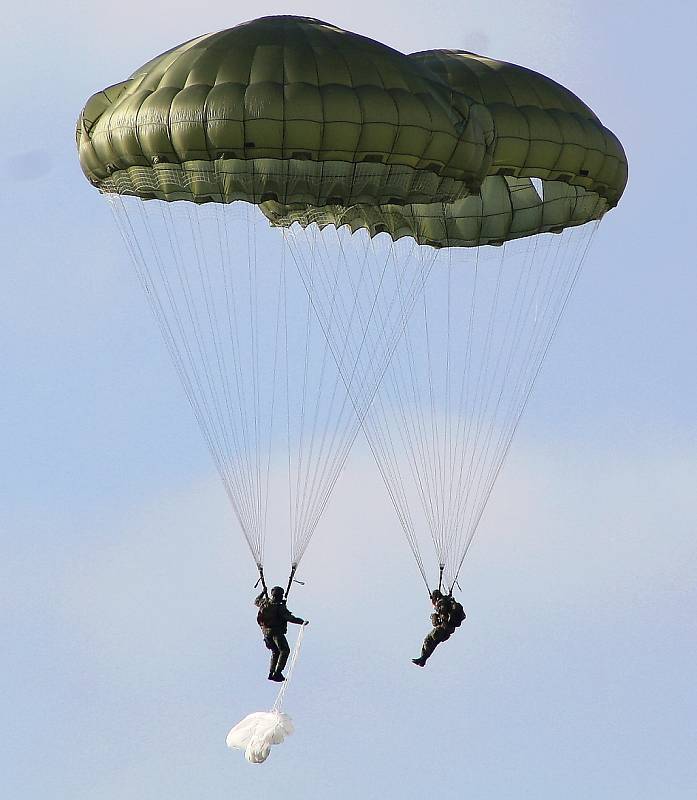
x: 287, y: 109
x: 319, y: 125
x: 543, y: 131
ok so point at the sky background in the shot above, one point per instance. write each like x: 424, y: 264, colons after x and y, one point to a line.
x: 129, y: 645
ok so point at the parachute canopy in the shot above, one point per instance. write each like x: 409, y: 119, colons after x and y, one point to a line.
x: 292, y: 120
x: 285, y: 108
x: 297, y: 111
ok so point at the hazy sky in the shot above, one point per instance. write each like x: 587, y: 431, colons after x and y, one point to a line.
x: 130, y: 645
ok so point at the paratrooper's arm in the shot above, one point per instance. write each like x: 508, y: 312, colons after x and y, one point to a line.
x: 289, y: 617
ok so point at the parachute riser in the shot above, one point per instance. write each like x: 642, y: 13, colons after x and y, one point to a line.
x: 440, y: 576
x: 261, y: 581
x: 292, y: 580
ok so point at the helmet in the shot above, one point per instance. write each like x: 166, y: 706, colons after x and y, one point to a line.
x: 277, y: 593
x: 436, y: 595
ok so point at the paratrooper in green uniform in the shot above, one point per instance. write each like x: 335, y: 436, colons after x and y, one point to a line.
x: 448, y: 615
x: 273, y: 618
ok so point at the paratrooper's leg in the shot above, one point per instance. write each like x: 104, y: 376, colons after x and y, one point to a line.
x: 270, y: 642
x: 432, y: 640
x: 283, y: 653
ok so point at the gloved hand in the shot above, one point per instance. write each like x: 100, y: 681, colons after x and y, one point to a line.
x: 306, y: 622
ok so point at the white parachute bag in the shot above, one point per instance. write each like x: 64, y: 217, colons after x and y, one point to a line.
x: 258, y: 732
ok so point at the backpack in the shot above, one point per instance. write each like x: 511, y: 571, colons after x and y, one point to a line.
x: 456, y: 615
x: 268, y: 615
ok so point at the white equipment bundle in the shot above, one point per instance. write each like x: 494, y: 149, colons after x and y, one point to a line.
x: 257, y: 732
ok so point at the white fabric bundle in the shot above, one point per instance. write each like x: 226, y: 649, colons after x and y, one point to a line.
x: 257, y: 732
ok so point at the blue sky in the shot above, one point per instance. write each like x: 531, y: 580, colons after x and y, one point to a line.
x: 130, y: 647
